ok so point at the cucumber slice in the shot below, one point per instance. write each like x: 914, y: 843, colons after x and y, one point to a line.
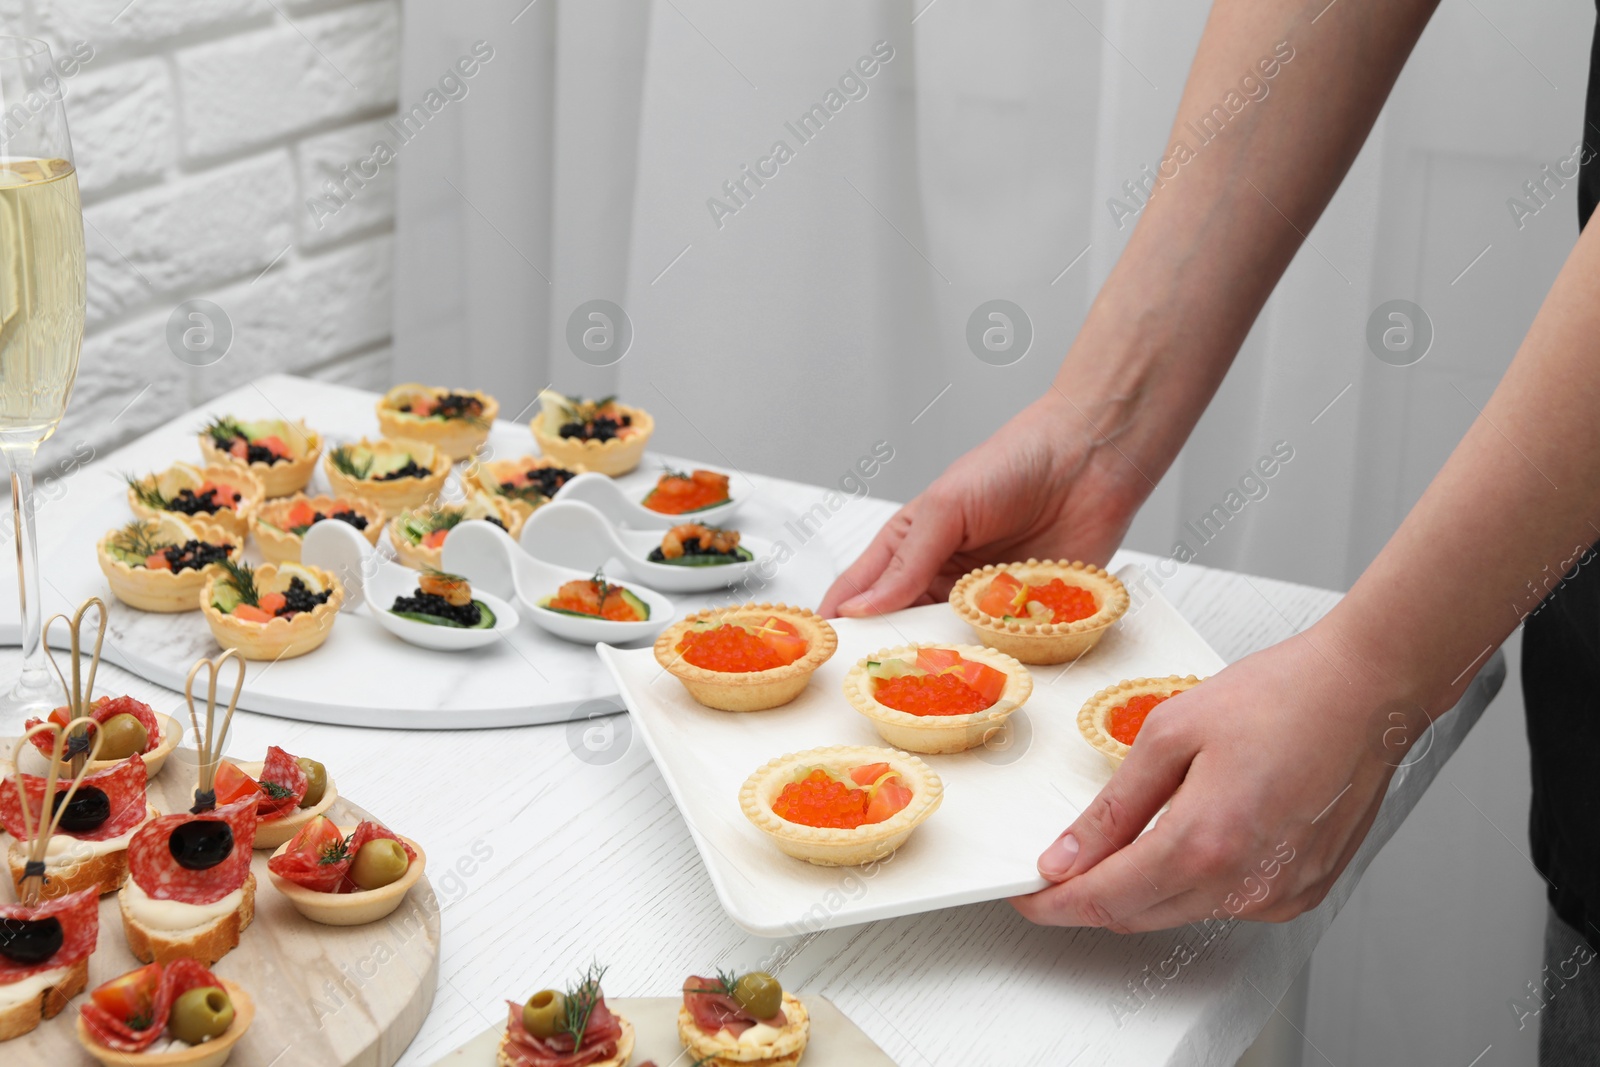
x: 123, y: 555
x: 892, y: 668
x: 741, y: 555
x: 224, y: 597
x: 639, y: 607
x: 486, y: 619
x: 704, y: 507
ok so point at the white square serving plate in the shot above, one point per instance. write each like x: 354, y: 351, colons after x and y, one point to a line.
x: 1004, y: 802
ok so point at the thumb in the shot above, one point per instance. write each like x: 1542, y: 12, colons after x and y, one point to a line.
x: 1119, y: 813
x: 934, y: 534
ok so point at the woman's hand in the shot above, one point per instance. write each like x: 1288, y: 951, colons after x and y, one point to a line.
x: 1046, y: 485
x: 1275, y: 769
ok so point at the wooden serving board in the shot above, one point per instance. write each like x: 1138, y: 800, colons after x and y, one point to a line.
x: 325, y: 996
x: 835, y: 1041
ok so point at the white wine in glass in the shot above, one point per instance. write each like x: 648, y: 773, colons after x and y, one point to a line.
x: 41, y: 309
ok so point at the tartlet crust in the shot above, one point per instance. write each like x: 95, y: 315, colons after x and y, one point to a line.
x: 486, y: 477
x: 419, y: 557
x: 350, y: 909
x: 938, y: 734
x: 164, y: 591
x: 402, y: 493
x: 236, y: 520
x: 1041, y: 642
x: 616, y: 456
x: 827, y: 846
x: 154, y: 760
x: 1094, y: 718
x: 211, y: 1053
x: 277, y: 479
x: 23, y: 1018
x: 272, y: 833
x: 278, y: 545
x: 456, y: 438
x: 277, y: 638
x: 712, y: 1050
x: 621, y: 1059
x: 748, y: 690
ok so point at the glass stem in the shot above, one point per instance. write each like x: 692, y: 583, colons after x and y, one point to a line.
x: 35, y: 678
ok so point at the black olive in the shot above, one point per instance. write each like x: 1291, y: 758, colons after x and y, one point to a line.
x: 30, y: 941
x: 88, y: 810
x: 201, y: 845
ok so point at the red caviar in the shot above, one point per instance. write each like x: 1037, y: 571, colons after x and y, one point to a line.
x: 1127, y: 720
x: 676, y: 493
x: 733, y: 649
x: 930, y: 694
x: 819, y: 799
x: 583, y: 596
x: 1007, y: 596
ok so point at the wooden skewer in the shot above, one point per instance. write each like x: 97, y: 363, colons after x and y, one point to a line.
x: 208, y: 744
x: 79, y: 697
x: 36, y: 833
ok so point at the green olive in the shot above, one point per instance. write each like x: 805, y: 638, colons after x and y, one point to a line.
x: 201, y: 1014
x: 120, y: 737
x: 316, y: 781
x: 379, y: 862
x: 544, y: 1013
x: 759, y: 994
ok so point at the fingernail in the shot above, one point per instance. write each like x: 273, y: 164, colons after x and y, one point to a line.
x: 856, y: 605
x: 1058, y: 858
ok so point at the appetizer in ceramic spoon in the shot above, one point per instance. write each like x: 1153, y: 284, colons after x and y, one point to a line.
x: 443, y: 599
x: 695, y: 544
x: 597, y: 598
x: 598, y: 435
x: 455, y: 421
x: 282, y: 454
x: 683, y: 493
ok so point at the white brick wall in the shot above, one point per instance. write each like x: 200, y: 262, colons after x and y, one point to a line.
x: 201, y: 127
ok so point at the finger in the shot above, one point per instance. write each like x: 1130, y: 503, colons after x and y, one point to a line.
x: 932, y: 538
x: 1119, y: 813
x: 1116, y: 890
x: 867, y: 567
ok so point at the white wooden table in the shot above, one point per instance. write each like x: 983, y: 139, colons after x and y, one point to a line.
x: 573, y: 852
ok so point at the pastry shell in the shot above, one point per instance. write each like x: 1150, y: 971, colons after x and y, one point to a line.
x: 1041, y: 642
x: 277, y: 638
x: 713, y: 1050
x: 1094, y: 718
x: 939, y: 733
x: 154, y: 760
x: 274, y: 832
x: 828, y: 846
x: 616, y: 456
x: 279, y: 545
x: 164, y: 591
x: 457, y: 438
x: 487, y: 476
x: 349, y: 909
x: 401, y: 493
x: 748, y: 690
x: 277, y: 479
x: 236, y: 520
x: 421, y: 558
x: 211, y: 1053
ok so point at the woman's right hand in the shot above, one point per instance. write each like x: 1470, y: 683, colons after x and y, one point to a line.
x: 1045, y: 485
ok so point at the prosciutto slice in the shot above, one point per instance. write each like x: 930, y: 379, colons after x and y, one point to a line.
x: 151, y: 864
x: 79, y: 916
x: 123, y: 784
x: 287, y: 780
x: 100, y: 711
x: 715, y: 1011
x: 308, y: 869
x: 180, y: 976
x: 599, y: 1043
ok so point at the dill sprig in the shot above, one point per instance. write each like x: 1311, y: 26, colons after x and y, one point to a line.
x: 723, y: 986
x: 580, y: 1004
x: 345, y: 463
x: 242, y: 577
x: 668, y: 472
x: 602, y: 587
x: 577, y: 409
x: 224, y: 430
x: 137, y: 539
x: 148, y: 492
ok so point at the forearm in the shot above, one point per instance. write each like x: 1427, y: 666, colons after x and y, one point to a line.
x: 1516, y: 505
x: 1230, y: 212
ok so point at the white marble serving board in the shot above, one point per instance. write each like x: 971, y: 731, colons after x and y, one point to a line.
x: 1004, y: 802
x: 363, y: 675
x: 834, y: 1040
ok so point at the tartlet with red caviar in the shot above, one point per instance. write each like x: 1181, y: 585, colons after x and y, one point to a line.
x: 1040, y: 611
x: 841, y: 806
x: 1111, y: 719
x: 748, y: 658
x: 937, y: 698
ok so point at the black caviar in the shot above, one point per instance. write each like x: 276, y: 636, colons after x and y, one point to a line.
x: 194, y: 555
x: 410, y: 470
x: 543, y: 480
x: 188, y: 502
x: 422, y: 603
x: 692, y: 547
x: 346, y: 516
x: 298, y: 598
x: 599, y: 428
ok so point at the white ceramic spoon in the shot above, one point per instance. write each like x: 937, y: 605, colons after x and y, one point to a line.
x: 487, y: 557
x: 570, y: 533
x: 620, y: 508
x: 368, y: 576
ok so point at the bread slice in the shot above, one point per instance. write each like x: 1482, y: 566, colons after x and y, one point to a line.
x: 624, y: 1049
x: 207, y: 944
x: 106, y: 871
x: 21, y: 1018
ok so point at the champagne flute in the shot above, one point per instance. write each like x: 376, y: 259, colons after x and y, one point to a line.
x: 41, y: 310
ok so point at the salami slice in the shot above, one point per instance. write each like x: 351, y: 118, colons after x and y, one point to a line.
x: 283, y: 785
x: 152, y: 865
x: 124, y: 787
x: 79, y: 916
x: 305, y: 868
x: 100, y: 711
x: 180, y: 976
x: 599, y: 1041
